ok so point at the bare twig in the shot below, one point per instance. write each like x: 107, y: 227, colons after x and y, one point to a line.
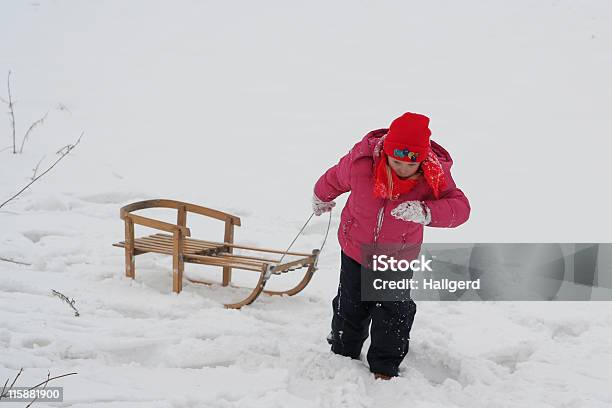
x: 44, y: 388
x: 13, y: 261
x: 32, y: 126
x: 5, y: 391
x: 62, y: 107
x: 36, y: 168
x: 5, y: 148
x: 49, y: 379
x: 4, y: 387
x: 64, y: 152
x: 65, y: 298
x: 11, y: 112
x: 63, y: 149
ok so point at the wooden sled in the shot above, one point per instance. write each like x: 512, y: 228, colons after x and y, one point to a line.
x: 177, y: 242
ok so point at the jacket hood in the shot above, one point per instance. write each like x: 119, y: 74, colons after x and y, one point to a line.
x: 371, y: 145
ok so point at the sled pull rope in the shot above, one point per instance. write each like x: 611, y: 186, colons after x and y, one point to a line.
x: 301, y: 230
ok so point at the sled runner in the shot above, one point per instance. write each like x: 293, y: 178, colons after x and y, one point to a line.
x: 177, y: 242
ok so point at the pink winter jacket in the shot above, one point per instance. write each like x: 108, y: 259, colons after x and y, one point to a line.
x: 367, y: 219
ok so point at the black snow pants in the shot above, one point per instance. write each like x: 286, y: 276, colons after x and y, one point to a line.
x: 391, y: 323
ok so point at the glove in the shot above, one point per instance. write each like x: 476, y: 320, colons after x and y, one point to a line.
x: 414, y: 211
x: 319, y: 207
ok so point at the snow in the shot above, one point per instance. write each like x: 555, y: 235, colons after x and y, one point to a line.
x: 412, y: 211
x: 241, y: 107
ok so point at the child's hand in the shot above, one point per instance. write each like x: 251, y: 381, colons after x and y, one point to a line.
x: 414, y: 211
x: 319, y: 207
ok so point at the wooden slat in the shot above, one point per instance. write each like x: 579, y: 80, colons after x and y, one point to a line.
x: 169, y: 244
x: 188, y: 243
x: 189, y: 246
x: 154, y: 244
x: 270, y: 261
x: 136, y: 251
x: 153, y: 241
x: 144, y: 247
x: 191, y: 241
x: 215, y: 261
x: 160, y: 225
x: 276, y: 251
x: 231, y: 259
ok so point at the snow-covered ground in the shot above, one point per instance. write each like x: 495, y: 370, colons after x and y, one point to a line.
x: 241, y: 107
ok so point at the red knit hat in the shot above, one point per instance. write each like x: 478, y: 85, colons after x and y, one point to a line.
x: 408, y: 138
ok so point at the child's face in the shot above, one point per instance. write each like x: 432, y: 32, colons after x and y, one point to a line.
x: 403, y: 169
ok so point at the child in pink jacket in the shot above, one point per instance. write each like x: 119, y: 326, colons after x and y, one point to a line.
x: 399, y: 181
